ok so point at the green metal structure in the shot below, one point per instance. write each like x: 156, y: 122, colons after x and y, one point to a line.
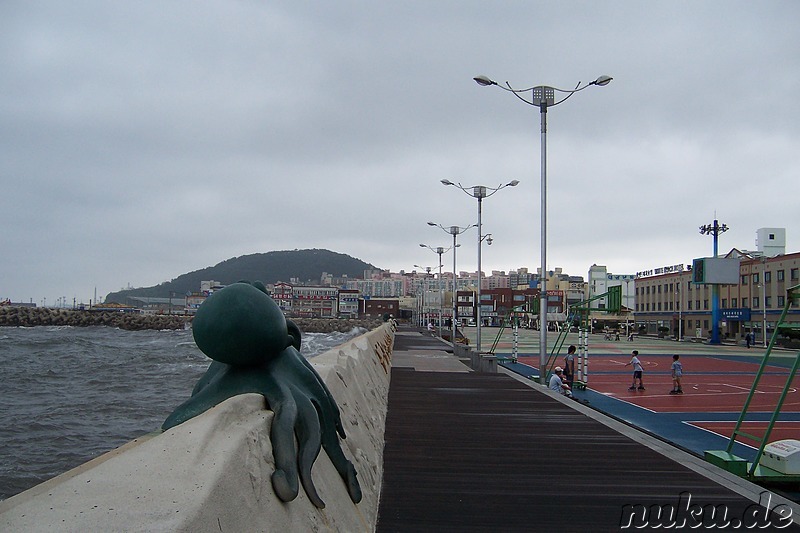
x: 738, y: 465
x: 512, y: 320
x: 579, y: 314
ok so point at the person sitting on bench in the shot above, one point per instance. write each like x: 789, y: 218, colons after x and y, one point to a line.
x: 556, y: 384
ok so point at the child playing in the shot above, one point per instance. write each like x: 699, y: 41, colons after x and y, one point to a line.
x: 637, y: 370
x: 677, y: 372
x: 569, y: 365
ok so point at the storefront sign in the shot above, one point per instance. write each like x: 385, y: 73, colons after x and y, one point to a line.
x: 660, y: 270
x: 741, y: 313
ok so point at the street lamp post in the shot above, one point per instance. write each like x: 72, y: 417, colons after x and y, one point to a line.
x: 420, y: 305
x: 680, y: 308
x: 455, y: 231
x: 714, y: 229
x: 480, y: 192
x: 419, y: 297
x: 764, y: 298
x: 543, y: 96
x: 439, y: 250
x: 626, y: 298
x: 426, y: 310
x: 763, y: 286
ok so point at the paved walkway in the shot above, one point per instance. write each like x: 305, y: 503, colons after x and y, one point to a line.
x: 469, y: 451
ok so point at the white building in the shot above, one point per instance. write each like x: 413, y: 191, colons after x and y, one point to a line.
x: 600, y: 281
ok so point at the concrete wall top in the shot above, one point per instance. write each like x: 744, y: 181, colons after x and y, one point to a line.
x: 212, y: 473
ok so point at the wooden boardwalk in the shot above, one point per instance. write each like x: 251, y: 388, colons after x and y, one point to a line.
x: 470, y: 451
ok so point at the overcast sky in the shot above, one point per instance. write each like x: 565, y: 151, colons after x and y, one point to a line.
x: 142, y: 140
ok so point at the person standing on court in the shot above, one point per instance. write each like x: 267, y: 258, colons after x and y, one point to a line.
x: 677, y: 372
x: 569, y: 365
x: 637, y: 370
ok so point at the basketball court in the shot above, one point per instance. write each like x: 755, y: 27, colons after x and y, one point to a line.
x: 716, y: 383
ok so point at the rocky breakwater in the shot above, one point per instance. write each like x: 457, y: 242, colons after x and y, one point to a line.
x: 42, y: 316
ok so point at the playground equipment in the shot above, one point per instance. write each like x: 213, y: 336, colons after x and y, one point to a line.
x: 774, y: 462
x: 578, y: 316
x: 513, y: 319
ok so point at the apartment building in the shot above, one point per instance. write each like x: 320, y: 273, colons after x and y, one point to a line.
x: 670, y: 302
x: 315, y: 302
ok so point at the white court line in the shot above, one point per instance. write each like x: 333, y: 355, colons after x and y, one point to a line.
x: 691, y: 423
x: 623, y: 363
x: 622, y: 399
x: 739, y: 389
x: 696, y: 392
x: 715, y: 393
x: 694, y: 422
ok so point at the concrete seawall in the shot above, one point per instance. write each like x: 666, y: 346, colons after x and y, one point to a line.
x: 212, y: 473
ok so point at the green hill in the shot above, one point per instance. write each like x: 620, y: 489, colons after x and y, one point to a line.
x: 305, y: 265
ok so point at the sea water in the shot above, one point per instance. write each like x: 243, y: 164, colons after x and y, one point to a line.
x: 68, y: 394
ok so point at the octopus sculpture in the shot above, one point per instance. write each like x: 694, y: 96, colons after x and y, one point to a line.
x: 255, y: 349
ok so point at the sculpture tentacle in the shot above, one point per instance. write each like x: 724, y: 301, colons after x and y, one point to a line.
x: 255, y: 349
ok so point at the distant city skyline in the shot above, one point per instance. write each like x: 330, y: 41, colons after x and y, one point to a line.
x: 64, y: 301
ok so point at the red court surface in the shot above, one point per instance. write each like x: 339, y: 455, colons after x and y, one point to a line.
x: 713, y: 387
x: 717, y: 393
x: 716, y: 383
x: 710, y: 384
x: 783, y: 430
